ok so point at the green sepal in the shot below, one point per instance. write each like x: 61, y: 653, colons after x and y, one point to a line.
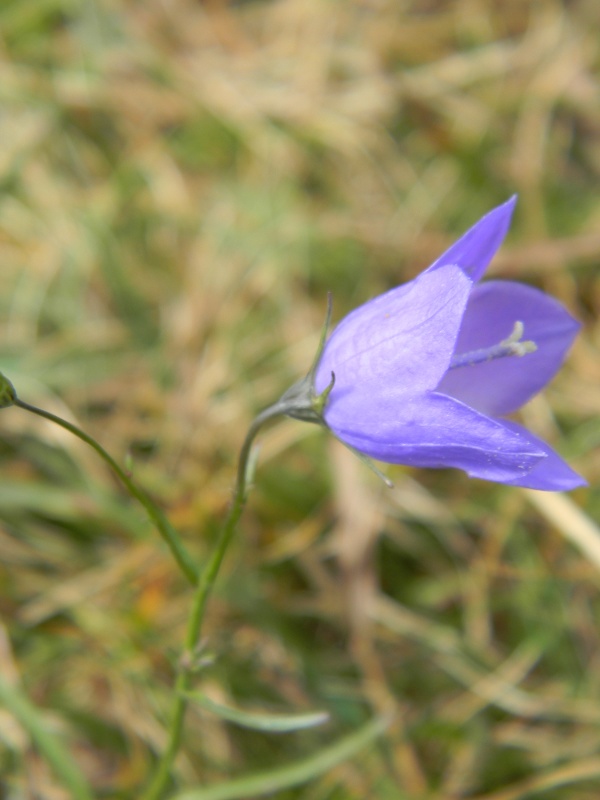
x: 8, y: 395
x: 301, y: 401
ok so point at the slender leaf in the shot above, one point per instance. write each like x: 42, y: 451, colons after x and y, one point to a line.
x: 48, y: 744
x: 274, y: 723
x: 293, y: 774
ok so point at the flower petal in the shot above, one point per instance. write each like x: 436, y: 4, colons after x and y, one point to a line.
x: 501, y: 386
x: 551, y: 474
x: 433, y: 431
x: 404, y: 338
x: 476, y: 248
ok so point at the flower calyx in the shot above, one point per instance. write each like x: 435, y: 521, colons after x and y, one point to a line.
x: 8, y: 394
x: 301, y: 401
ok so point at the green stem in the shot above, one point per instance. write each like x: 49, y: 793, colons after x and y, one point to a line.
x: 203, y: 589
x: 168, y: 533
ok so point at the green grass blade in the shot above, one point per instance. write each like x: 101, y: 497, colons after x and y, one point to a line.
x: 294, y: 774
x: 272, y: 723
x: 47, y: 743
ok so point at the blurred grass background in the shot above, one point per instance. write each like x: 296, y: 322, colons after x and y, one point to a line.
x: 181, y: 183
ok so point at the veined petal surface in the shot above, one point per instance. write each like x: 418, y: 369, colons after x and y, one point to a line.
x: 433, y: 431
x: 476, y: 248
x: 501, y: 386
x: 403, y: 339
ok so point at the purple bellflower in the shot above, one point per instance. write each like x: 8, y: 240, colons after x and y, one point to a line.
x: 426, y: 373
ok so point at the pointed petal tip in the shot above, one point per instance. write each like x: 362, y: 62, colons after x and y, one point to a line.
x: 550, y: 474
x: 502, y: 214
x: 557, y: 481
x: 474, y: 250
x: 506, y: 209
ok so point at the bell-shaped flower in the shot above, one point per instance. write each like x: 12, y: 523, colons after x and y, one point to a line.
x: 425, y: 374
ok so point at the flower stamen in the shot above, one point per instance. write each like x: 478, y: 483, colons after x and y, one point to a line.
x: 513, y: 345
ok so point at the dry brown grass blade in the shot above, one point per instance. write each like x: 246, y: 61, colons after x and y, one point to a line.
x: 575, y: 525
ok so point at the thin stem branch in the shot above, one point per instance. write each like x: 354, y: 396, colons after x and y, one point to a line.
x: 166, y: 530
x: 203, y: 589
